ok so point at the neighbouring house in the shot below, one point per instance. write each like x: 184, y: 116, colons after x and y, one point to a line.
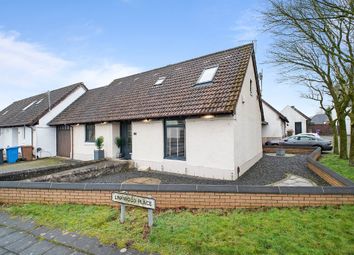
x: 319, y: 123
x: 199, y: 117
x: 298, y: 121
x: 274, y: 126
x: 24, y: 122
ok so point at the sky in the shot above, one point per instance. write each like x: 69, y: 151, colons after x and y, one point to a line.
x: 45, y: 44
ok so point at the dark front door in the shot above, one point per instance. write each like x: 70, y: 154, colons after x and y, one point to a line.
x: 298, y: 128
x: 63, y: 141
x: 126, y: 135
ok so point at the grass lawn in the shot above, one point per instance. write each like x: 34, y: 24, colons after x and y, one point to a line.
x: 25, y: 165
x: 327, y: 230
x: 338, y: 165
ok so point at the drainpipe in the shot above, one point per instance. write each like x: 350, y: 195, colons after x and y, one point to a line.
x: 72, y: 141
x: 49, y: 103
x: 32, y: 140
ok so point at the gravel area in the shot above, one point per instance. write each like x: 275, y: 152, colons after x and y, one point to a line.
x: 268, y: 170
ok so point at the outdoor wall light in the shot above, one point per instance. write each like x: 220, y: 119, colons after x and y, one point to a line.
x: 208, y: 116
x: 147, y: 120
x: 104, y: 123
x: 77, y: 124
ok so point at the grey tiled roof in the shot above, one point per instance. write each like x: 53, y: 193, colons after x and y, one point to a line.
x: 319, y: 119
x: 136, y: 96
x: 14, y: 115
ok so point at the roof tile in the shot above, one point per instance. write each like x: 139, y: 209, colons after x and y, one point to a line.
x: 136, y: 96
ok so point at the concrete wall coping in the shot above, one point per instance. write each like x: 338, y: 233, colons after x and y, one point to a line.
x: 253, y: 189
x: 312, y: 160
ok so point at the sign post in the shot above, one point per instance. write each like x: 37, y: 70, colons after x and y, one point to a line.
x: 126, y: 199
x: 122, y: 213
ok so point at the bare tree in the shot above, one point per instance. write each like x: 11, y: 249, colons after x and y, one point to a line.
x: 314, y: 44
x: 317, y: 95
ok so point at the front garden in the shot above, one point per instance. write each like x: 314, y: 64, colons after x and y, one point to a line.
x: 326, y: 230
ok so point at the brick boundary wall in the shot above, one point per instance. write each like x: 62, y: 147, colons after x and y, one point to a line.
x: 293, y: 149
x: 185, y: 195
x: 324, y: 172
x: 176, y: 196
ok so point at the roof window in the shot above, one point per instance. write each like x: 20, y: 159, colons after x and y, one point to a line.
x: 207, y: 75
x: 28, y: 106
x: 40, y: 100
x: 160, y: 81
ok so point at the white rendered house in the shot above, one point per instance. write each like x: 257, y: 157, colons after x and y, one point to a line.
x: 201, y: 117
x: 274, y: 126
x: 298, y: 121
x: 24, y: 122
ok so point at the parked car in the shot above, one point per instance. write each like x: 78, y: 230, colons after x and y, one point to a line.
x: 304, y: 140
x: 311, y: 134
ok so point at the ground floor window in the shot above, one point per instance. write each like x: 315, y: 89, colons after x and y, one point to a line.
x: 175, y: 139
x: 90, y: 133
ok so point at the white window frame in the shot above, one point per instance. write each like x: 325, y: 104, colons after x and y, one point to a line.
x: 207, y: 77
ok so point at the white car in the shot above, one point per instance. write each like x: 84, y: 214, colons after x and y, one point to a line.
x: 311, y: 134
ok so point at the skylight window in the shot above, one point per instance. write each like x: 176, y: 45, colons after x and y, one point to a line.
x: 160, y: 81
x: 28, y: 106
x: 207, y: 75
x: 5, y: 113
x: 39, y: 101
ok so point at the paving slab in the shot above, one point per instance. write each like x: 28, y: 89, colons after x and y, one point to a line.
x: 60, y: 250
x: 4, y: 231
x: 38, y: 248
x: 2, y: 251
x: 23, y: 244
x: 11, y: 238
x: 22, y: 237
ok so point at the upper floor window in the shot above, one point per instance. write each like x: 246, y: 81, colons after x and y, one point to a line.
x: 90, y: 133
x: 28, y: 106
x: 160, y: 81
x: 207, y: 75
x: 251, y: 89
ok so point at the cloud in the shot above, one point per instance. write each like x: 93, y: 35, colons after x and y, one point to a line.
x: 28, y: 68
x: 103, y: 74
x: 246, y: 27
x: 23, y: 63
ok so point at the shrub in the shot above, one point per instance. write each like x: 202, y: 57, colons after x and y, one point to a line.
x: 99, y: 142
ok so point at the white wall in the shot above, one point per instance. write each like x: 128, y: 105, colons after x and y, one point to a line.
x: 209, y: 147
x: 45, y: 138
x: 46, y: 135
x: 275, y: 127
x: 85, y: 151
x: 24, y: 136
x: 16, y: 136
x: 215, y: 148
x: 248, y: 125
x: 293, y: 116
x: 6, y: 137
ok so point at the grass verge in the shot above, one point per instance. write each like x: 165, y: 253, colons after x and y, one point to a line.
x: 338, y: 165
x: 326, y: 230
